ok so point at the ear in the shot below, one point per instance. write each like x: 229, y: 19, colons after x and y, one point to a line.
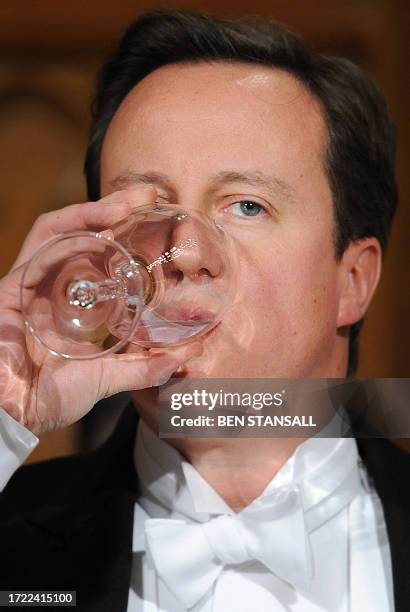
x: 360, y: 268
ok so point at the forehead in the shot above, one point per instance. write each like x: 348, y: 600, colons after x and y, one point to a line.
x: 240, y: 109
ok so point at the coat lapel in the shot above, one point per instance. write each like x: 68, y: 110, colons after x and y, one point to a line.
x: 389, y: 467
x: 84, y: 548
x: 99, y: 549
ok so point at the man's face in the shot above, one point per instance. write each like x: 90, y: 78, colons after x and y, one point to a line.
x: 189, y: 123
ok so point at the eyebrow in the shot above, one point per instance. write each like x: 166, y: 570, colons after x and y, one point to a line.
x: 275, y: 185
x: 146, y: 178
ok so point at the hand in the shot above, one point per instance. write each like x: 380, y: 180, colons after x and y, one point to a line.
x: 44, y: 392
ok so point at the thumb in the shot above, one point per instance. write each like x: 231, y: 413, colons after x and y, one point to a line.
x: 135, y: 371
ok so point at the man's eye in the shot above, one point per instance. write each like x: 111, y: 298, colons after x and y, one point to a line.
x: 247, y: 208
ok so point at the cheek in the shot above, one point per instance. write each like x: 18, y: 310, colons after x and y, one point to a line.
x: 282, y: 322
x: 290, y: 294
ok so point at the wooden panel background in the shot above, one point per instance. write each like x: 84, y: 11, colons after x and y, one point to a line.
x: 49, y: 54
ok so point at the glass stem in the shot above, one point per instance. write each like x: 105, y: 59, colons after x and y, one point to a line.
x: 86, y: 294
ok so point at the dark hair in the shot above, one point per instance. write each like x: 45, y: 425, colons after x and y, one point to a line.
x: 361, y: 138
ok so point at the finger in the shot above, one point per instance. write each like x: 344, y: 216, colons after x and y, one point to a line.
x: 10, y: 289
x: 87, y: 216
x: 129, y: 372
x: 129, y: 196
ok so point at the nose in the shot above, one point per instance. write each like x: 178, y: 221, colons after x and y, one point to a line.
x: 196, y: 248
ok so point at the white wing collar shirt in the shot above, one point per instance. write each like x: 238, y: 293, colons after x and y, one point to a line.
x: 314, y: 540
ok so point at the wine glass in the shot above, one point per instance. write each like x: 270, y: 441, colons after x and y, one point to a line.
x: 160, y: 277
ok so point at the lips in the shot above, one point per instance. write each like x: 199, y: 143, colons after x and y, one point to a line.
x: 188, y: 314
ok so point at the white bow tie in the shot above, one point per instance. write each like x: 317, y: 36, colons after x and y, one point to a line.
x: 274, y: 530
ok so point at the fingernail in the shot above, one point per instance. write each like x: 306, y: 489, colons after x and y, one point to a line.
x: 142, y: 192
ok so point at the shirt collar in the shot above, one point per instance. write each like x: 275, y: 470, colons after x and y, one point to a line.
x: 172, y: 487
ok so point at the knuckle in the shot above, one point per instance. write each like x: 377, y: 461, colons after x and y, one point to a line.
x: 42, y: 220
